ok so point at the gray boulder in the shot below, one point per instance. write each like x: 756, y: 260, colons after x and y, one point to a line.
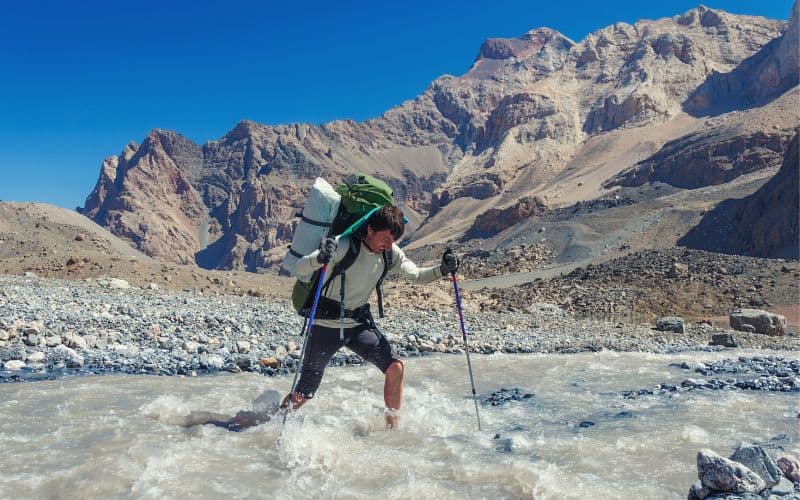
x: 63, y: 354
x: 763, y: 322
x: 724, y: 475
x: 16, y: 351
x: 697, y: 491
x: 758, y: 460
x: 723, y: 339
x: 670, y: 324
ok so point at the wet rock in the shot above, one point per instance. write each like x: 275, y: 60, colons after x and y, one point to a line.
x: 31, y: 339
x: 724, y: 475
x: 212, y: 362
x: 790, y: 466
x: 15, y: 352
x: 784, y: 488
x: 697, y: 491
x: 505, y: 396
x: 586, y: 423
x: 758, y: 460
x: 723, y: 339
x: 62, y: 354
x: 671, y: 324
x: 14, y: 365
x: 36, y: 357
x: 763, y: 322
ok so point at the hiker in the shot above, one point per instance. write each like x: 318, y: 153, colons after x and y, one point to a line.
x: 358, y: 331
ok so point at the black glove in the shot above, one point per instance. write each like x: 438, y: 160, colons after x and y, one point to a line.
x: 449, y: 262
x: 326, y: 249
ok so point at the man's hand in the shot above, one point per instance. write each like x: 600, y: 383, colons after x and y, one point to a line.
x: 449, y: 262
x: 326, y: 250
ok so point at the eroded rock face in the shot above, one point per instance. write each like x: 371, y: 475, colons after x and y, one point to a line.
x: 495, y: 220
x: 707, y: 159
x: 764, y: 224
x: 721, y: 474
x: 762, y: 76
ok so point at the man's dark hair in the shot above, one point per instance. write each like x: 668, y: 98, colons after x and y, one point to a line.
x: 387, y: 217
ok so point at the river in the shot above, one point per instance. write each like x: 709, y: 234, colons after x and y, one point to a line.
x: 118, y: 436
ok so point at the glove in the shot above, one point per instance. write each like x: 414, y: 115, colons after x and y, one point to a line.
x: 326, y: 249
x: 449, y: 262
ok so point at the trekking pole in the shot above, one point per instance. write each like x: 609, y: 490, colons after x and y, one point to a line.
x: 305, y: 341
x: 466, y: 346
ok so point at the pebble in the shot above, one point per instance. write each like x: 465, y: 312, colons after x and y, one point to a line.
x: 83, y: 327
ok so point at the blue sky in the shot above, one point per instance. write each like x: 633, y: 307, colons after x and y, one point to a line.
x: 78, y: 80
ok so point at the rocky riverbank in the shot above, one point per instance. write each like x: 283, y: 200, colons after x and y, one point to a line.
x: 50, y: 327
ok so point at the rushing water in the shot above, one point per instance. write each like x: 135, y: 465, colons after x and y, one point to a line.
x: 118, y: 436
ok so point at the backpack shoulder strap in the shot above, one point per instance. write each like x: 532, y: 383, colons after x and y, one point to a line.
x: 343, y: 265
x: 387, y: 263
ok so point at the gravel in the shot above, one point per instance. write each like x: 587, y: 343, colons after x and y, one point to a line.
x: 61, y: 327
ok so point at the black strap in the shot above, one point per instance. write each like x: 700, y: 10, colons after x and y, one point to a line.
x: 314, y: 222
x: 296, y: 254
x: 387, y: 263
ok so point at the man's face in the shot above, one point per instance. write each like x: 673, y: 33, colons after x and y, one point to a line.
x: 378, y: 241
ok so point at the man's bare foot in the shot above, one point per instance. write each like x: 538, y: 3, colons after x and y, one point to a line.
x: 392, y: 417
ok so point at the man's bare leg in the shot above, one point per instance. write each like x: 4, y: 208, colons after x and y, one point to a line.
x: 393, y: 393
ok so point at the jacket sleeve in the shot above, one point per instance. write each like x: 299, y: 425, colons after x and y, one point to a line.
x: 308, y: 264
x: 406, y: 267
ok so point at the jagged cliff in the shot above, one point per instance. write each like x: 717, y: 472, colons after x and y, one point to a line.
x: 524, y: 121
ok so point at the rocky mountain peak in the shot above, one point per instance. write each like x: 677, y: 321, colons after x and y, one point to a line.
x: 525, y: 45
x: 703, y: 16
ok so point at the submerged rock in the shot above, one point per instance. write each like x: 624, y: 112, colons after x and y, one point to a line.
x: 505, y: 396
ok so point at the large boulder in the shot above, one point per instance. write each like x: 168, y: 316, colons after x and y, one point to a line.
x: 671, y: 324
x: 724, y: 475
x: 759, y: 461
x: 763, y: 322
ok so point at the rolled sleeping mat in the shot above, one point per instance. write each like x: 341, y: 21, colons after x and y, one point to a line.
x: 315, y: 222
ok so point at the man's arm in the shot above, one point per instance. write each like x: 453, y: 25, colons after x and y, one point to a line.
x: 307, y: 265
x: 406, y: 267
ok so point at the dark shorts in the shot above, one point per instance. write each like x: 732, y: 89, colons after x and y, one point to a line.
x: 368, y: 343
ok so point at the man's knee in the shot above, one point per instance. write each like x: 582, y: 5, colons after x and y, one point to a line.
x: 395, y: 369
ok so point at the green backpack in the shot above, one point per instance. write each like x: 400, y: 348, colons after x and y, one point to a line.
x: 362, y: 195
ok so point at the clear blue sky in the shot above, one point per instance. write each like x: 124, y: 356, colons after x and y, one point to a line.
x: 78, y: 80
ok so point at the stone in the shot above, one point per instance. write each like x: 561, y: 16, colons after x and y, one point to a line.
x: 36, y: 357
x: 758, y: 460
x: 80, y: 237
x: 14, y: 365
x: 115, y: 283
x: 783, y: 488
x: 14, y: 352
x: 670, y: 324
x: 723, y: 339
x: 270, y: 362
x: 190, y: 346
x: 763, y: 322
x: 678, y: 270
x: 722, y: 474
x: 52, y: 341
x: 74, y: 341
x: 29, y: 274
x: 281, y: 352
x: 154, y: 330
x: 153, y: 286
x: 697, y: 491
x: 63, y: 354
x: 4, y: 335
x: 242, y: 346
x: 790, y: 467
x: 31, y: 339
x: 212, y: 361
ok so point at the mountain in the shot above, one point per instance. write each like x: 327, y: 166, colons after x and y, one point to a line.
x: 538, y: 123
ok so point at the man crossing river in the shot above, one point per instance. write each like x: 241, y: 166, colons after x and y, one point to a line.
x: 376, y: 248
